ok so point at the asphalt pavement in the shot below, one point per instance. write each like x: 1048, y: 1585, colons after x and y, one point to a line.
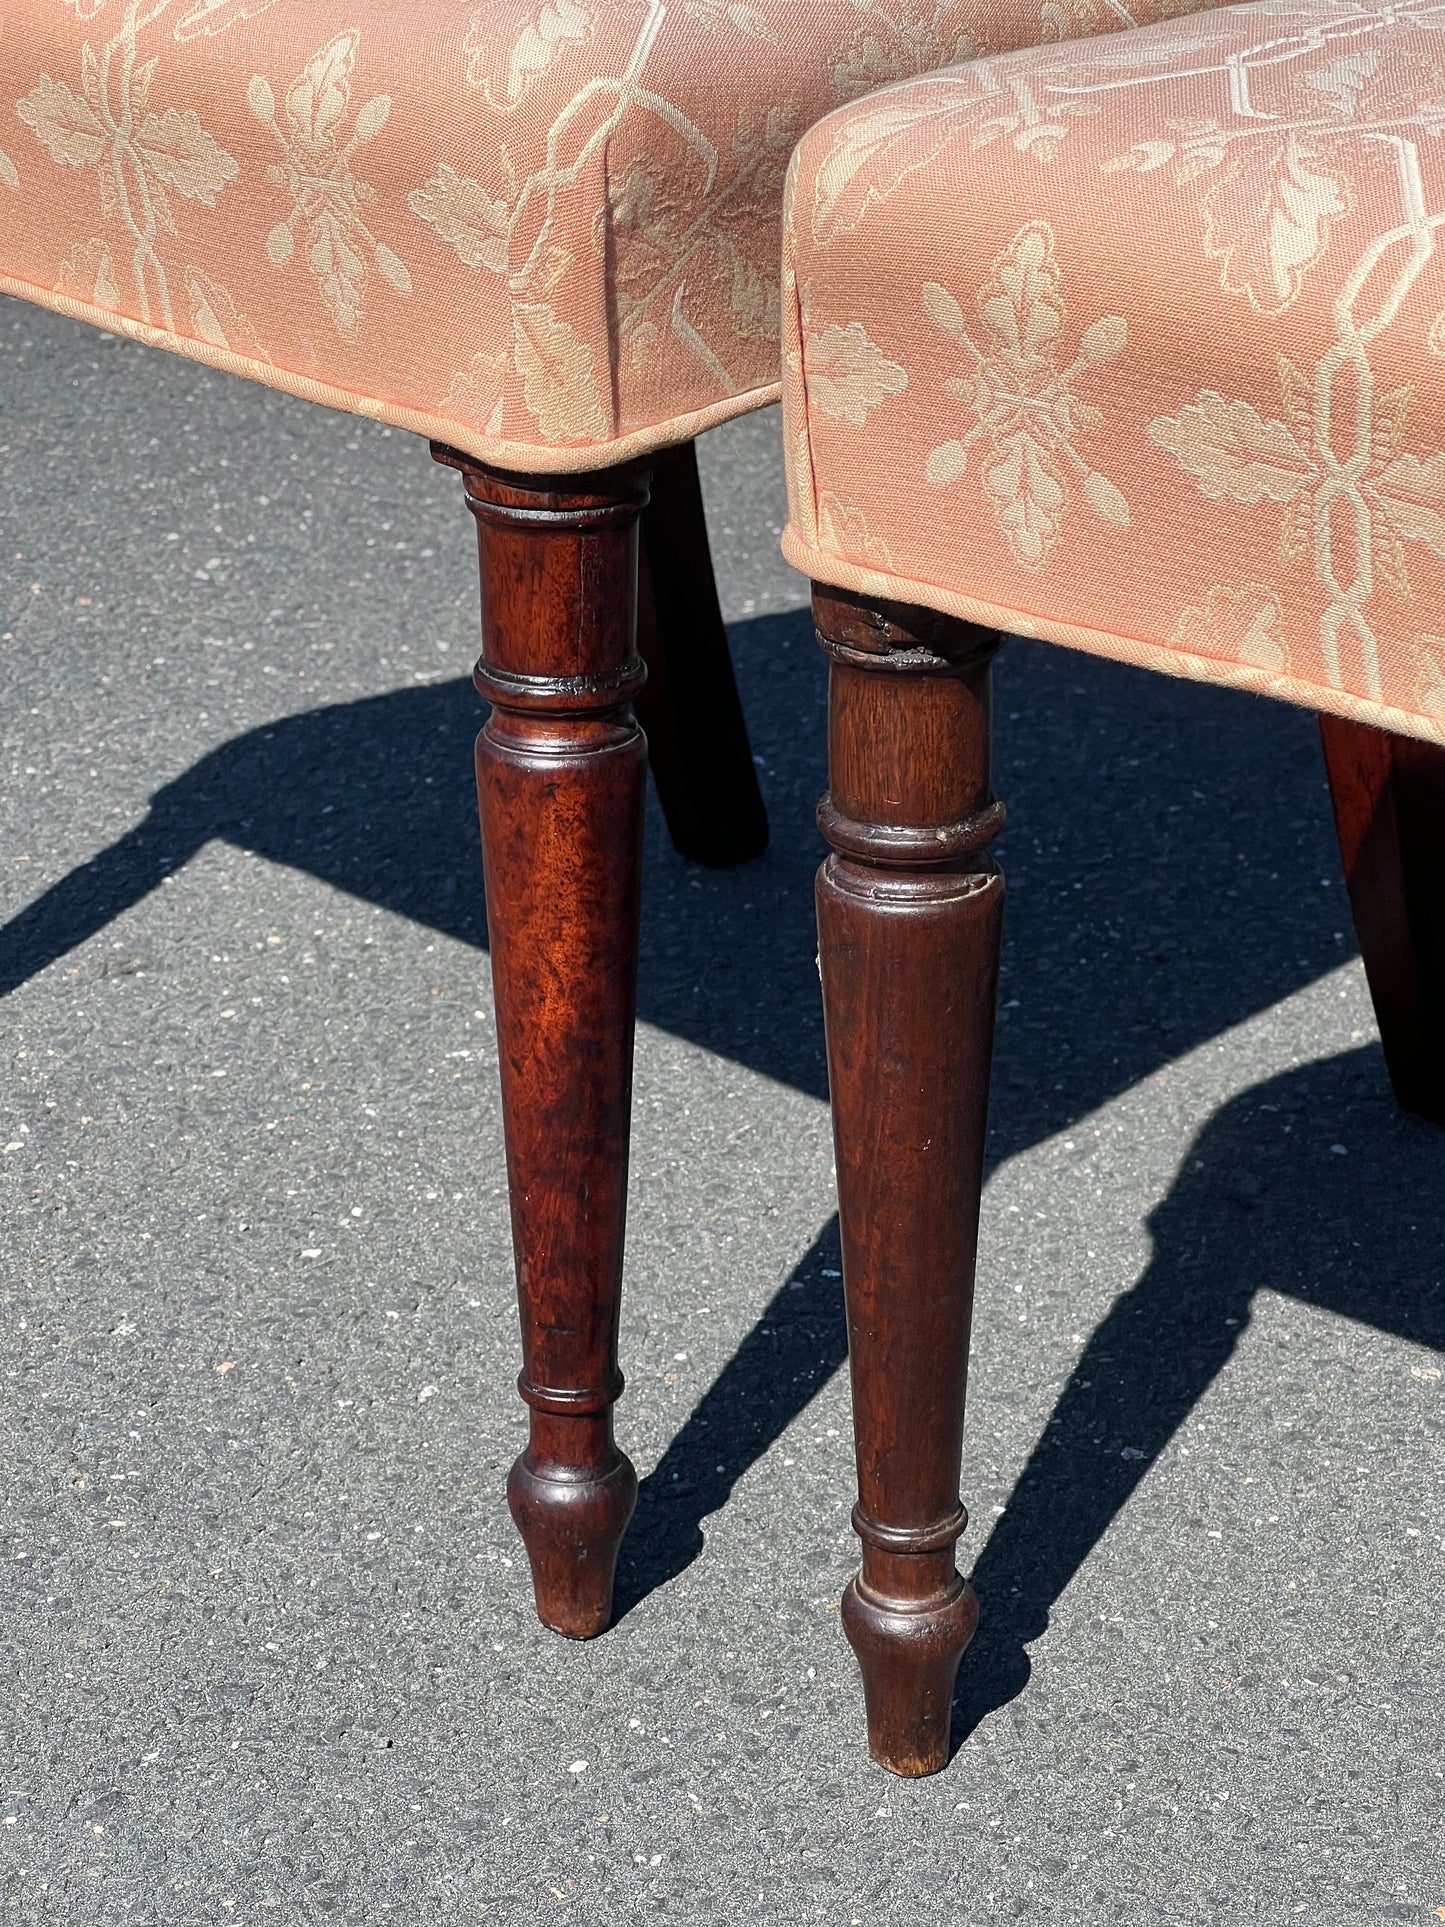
x: 266, y: 1639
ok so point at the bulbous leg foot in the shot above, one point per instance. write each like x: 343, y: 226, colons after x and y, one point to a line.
x: 908, y: 1652
x: 572, y: 1519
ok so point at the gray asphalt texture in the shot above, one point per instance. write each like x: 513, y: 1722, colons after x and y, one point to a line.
x: 266, y: 1638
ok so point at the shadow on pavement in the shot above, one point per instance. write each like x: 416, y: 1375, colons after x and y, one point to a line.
x: 1152, y: 904
x: 1161, y: 891
x: 787, y: 1357
x: 1262, y: 1202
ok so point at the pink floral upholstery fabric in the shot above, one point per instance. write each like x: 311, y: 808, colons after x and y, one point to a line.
x: 1139, y: 345
x: 544, y: 230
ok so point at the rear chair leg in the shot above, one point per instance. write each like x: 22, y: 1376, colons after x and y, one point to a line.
x: 561, y: 768
x: 909, y: 916
x: 1389, y: 798
x: 702, y: 762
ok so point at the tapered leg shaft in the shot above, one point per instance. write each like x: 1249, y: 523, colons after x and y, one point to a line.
x: 1389, y: 798
x: 561, y: 766
x: 702, y: 762
x: 909, y: 915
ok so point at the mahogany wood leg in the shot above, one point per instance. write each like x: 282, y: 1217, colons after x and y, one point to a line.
x: 909, y: 916
x: 1389, y: 798
x: 561, y: 769
x: 701, y: 759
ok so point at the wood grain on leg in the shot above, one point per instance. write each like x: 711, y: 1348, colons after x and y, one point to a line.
x: 1389, y: 798
x: 561, y: 768
x: 909, y: 916
x: 702, y: 761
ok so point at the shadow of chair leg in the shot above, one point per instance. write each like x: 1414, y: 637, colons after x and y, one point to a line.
x: 73, y: 910
x: 1141, y: 1374
x: 779, y: 1368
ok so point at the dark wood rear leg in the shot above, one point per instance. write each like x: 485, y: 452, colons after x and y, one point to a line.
x: 1389, y: 798
x: 702, y: 761
x: 561, y: 769
x: 909, y: 914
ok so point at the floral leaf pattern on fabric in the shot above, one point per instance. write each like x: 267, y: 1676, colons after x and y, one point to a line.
x: 139, y: 154
x: 1260, y: 190
x: 508, y: 55
x: 546, y: 230
x: 558, y: 375
x: 1022, y: 393
x: 1232, y: 453
x: 89, y: 272
x: 1244, y: 625
x: 845, y: 531
x: 215, y: 317
x: 212, y: 17
x: 872, y: 153
x: 899, y: 38
x: 326, y: 196
x: 464, y: 214
x: 1351, y: 499
x: 848, y: 375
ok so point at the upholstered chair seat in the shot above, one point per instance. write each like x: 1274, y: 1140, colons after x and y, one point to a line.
x: 543, y: 231
x: 1140, y: 346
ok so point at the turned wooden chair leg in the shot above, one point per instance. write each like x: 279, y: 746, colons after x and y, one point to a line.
x: 697, y: 740
x: 1389, y: 798
x: 909, y: 915
x: 561, y: 769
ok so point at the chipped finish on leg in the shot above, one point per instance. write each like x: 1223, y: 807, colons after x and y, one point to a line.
x: 561, y: 769
x: 909, y: 916
x: 1389, y: 799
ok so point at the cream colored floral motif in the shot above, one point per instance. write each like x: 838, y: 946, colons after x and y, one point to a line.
x: 141, y: 156
x: 1023, y: 397
x: 216, y: 318
x: 326, y: 196
x: 875, y: 151
x: 667, y: 227
x: 558, y: 373
x: 1331, y: 460
x: 1273, y: 179
x: 1361, y: 498
x: 844, y: 531
x: 478, y: 392
x: 1430, y: 679
x: 210, y: 17
x: 9, y: 174
x: 1066, y: 19
x: 88, y: 273
x: 716, y: 16
x: 669, y: 234
x: 507, y: 60
x: 848, y: 375
x: 1267, y: 215
x: 1237, y: 625
x: 466, y: 216
x: 1273, y: 158
x: 899, y: 38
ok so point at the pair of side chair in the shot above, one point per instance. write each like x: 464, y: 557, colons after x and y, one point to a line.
x: 1132, y: 342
